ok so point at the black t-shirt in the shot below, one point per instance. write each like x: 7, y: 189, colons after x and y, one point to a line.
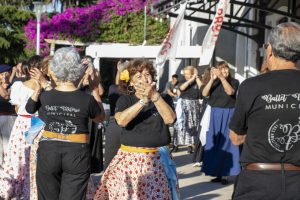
x: 191, y: 92
x: 268, y: 111
x: 147, y: 129
x: 218, y: 96
x: 65, y: 112
x: 6, y: 108
x: 113, y: 96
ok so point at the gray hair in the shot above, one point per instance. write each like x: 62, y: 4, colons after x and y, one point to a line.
x: 66, y: 65
x: 285, y: 41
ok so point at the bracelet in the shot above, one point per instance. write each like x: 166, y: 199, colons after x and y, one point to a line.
x: 48, y: 86
x: 142, y: 101
x: 157, y: 98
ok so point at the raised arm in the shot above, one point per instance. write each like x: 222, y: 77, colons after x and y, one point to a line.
x: 206, y: 89
x: 3, y: 93
x: 13, y: 74
x: 165, y: 111
x: 94, y: 82
x: 149, y: 91
x: 183, y: 86
x: 123, y: 118
x: 199, y: 82
x: 226, y: 85
x: 33, y: 103
x: 37, y: 75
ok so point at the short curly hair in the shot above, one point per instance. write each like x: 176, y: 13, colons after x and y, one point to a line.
x: 65, y: 65
x: 134, y: 66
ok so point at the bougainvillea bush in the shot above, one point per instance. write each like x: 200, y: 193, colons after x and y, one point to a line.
x: 106, y: 21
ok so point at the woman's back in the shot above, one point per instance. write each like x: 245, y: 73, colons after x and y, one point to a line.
x: 66, y: 112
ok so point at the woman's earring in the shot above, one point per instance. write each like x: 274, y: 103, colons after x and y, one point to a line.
x: 130, y: 89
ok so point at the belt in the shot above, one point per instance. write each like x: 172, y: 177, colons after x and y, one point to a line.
x: 138, y: 149
x: 80, y: 137
x: 26, y: 116
x: 272, y: 166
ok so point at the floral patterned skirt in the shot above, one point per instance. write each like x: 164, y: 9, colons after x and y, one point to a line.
x: 185, y: 131
x: 135, y: 176
x: 14, y: 177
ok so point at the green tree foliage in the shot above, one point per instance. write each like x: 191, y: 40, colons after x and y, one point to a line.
x: 18, y: 3
x: 130, y: 29
x: 12, y: 40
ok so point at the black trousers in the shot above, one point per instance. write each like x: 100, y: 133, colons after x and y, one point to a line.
x: 96, y: 146
x: 267, y: 185
x: 112, y: 141
x: 198, y: 151
x: 63, y: 170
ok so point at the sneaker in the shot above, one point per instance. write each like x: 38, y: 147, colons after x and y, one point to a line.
x: 190, y: 149
x: 197, y: 164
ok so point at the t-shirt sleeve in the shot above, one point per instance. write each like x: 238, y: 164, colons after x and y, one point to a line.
x: 32, y: 106
x: 122, y: 104
x: 15, y: 94
x: 238, y: 121
x: 235, y: 84
x: 94, y: 109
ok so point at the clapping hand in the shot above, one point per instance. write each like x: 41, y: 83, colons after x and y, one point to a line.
x: 37, y: 75
x: 19, y: 70
x: 93, y: 78
x: 213, y: 75
x: 145, y: 90
x: 88, y: 72
x: 195, y: 73
x: 218, y: 73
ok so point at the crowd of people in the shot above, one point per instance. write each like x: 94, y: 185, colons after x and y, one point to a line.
x: 248, y: 130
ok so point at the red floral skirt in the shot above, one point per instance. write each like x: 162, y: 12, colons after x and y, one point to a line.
x: 14, y: 177
x: 136, y: 176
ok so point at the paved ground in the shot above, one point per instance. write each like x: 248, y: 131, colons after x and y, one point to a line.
x: 195, y: 185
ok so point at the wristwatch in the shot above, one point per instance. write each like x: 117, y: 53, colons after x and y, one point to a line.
x: 142, y: 101
x: 47, y: 86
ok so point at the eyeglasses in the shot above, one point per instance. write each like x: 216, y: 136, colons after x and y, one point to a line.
x: 265, y: 46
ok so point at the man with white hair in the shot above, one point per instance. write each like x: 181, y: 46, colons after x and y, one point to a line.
x: 267, y: 122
